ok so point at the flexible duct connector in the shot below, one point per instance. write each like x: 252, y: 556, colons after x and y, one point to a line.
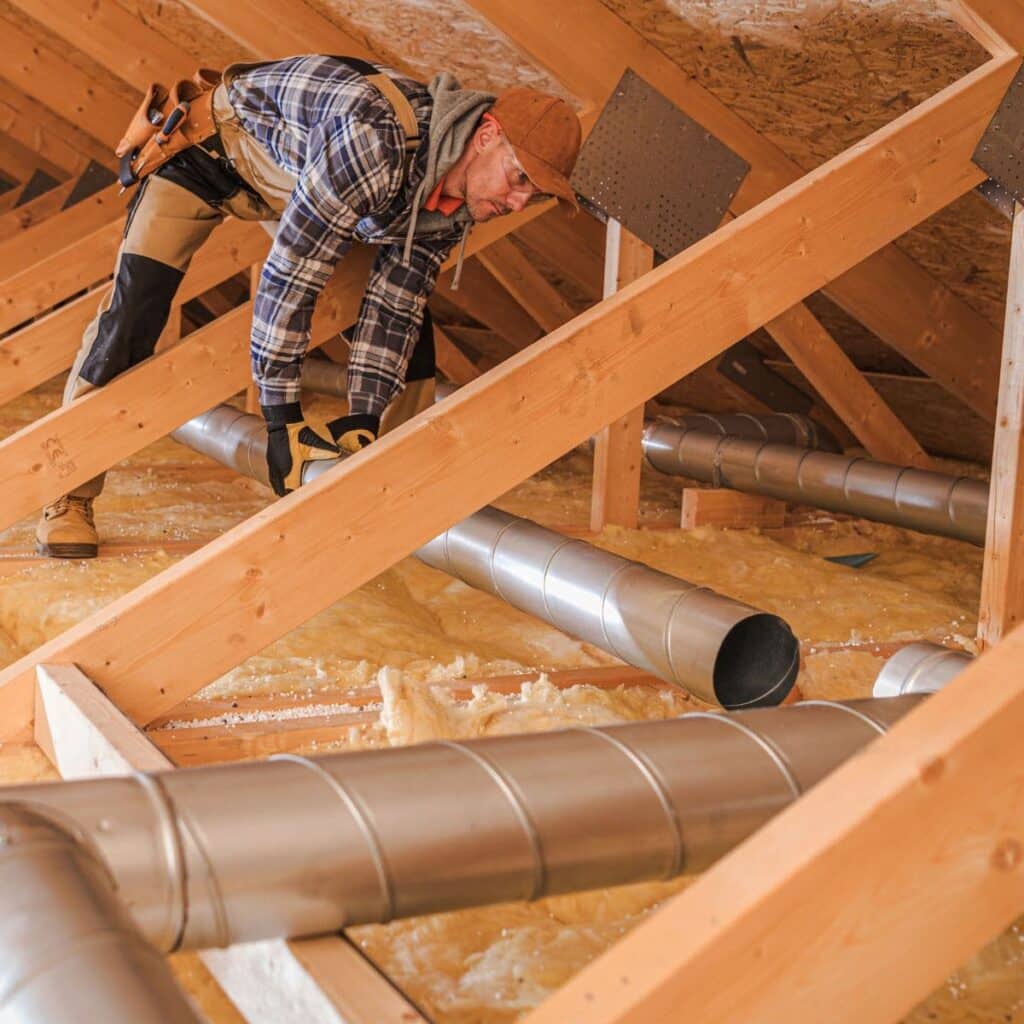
x: 919, y: 668
x: 295, y: 847
x: 69, y: 950
x: 912, y: 498
x: 721, y: 650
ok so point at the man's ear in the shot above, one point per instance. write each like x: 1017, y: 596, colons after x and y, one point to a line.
x: 487, y: 133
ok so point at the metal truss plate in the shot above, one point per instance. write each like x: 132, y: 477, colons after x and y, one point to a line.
x: 658, y: 172
x: 1000, y: 152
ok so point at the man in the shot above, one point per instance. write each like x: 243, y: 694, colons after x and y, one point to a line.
x: 336, y: 150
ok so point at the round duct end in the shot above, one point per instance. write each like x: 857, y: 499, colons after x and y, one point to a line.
x: 757, y: 663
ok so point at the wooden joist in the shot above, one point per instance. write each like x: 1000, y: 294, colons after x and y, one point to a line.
x: 908, y: 857
x: 152, y: 648
x: 19, y: 162
x: 997, y: 24
x: 15, y: 221
x: 729, y: 509
x: 1002, y: 581
x: 452, y: 361
x: 831, y: 372
x: 273, y: 982
x: 587, y: 47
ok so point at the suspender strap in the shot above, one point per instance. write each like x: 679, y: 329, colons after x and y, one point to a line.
x: 398, y: 100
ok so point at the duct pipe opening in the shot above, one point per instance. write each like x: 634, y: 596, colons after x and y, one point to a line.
x: 757, y: 663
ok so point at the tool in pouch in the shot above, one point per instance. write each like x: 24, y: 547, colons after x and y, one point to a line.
x: 167, y: 122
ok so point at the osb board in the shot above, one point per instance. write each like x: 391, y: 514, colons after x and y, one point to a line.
x: 173, y: 20
x: 439, y: 35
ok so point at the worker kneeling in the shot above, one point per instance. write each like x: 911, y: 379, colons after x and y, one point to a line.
x: 336, y: 150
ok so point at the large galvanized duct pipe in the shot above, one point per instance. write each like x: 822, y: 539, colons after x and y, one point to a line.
x: 724, y: 652
x: 293, y: 846
x: 69, y: 950
x: 919, y: 668
x: 913, y: 498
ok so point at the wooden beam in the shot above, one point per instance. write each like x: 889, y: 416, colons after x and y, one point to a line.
x: 484, y: 299
x: 274, y: 982
x: 831, y: 372
x: 56, y: 235
x: 9, y: 199
x: 59, y: 86
x: 59, y: 141
x: 152, y: 648
x: 451, y: 360
x: 20, y: 163
x: 573, y: 244
x: 615, y: 489
x: 117, y: 40
x: 858, y: 900
x: 587, y: 47
x: 998, y: 25
x: 1002, y: 581
x: 510, y: 267
x: 730, y: 510
x: 15, y: 221
x: 282, y: 30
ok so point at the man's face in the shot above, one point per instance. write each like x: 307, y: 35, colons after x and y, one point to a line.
x: 495, y: 182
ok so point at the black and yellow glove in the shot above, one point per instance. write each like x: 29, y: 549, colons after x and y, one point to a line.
x: 352, y: 433
x: 291, y: 443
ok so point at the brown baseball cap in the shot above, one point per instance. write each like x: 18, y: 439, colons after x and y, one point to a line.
x: 545, y: 133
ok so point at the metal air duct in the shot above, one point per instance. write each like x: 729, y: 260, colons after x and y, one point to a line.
x: 295, y: 847
x: 919, y: 668
x: 69, y: 950
x: 912, y: 498
x: 724, y: 652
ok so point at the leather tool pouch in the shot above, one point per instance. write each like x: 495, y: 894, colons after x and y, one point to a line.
x: 168, y: 121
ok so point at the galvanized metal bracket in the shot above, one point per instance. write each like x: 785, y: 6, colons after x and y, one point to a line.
x: 658, y: 172
x: 1000, y: 152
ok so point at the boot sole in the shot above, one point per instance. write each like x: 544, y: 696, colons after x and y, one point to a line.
x: 66, y: 550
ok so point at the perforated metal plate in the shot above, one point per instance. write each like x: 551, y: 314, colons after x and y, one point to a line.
x: 1000, y: 152
x: 662, y: 175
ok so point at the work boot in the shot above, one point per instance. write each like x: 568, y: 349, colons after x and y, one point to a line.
x: 67, y: 529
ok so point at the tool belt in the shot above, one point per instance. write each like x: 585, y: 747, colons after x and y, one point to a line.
x: 171, y: 120
x: 168, y: 121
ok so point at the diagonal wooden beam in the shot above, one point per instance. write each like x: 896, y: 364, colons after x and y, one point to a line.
x: 859, y: 899
x: 20, y: 162
x: 510, y: 267
x: 831, y: 372
x: 587, y: 47
x: 34, y: 126
x: 53, y: 239
x: 154, y: 647
x: 998, y: 25
x: 452, y: 361
x: 48, y: 78
x: 47, y: 346
x: 21, y: 218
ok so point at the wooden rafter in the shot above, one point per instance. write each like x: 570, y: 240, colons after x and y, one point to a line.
x: 587, y: 47
x: 997, y: 24
x: 15, y: 221
x: 152, y: 648
x: 19, y: 162
x: 452, y: 361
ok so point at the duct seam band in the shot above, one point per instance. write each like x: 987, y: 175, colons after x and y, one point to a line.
x: 604, y: 617
x: 384, y: 880
x: 173, y: 848
x: 519, y: 809
x: 661, y: 790
x: 866, y: 719
x: 544, y: 580
x: 763, y: 742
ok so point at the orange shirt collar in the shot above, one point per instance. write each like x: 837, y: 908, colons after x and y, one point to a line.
x: 442, y: 204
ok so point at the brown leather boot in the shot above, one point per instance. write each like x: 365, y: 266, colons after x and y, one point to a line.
x: 67, y: 529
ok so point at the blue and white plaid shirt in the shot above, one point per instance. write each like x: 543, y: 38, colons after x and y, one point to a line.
x: 322, y: 121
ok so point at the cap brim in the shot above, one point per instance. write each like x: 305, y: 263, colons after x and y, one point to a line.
x: 546, y: 179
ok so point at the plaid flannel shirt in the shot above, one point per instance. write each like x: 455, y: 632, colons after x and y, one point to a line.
x: 322, y: 121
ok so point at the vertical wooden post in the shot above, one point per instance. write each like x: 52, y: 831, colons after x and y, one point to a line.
x: 615, y: 492
x: 1002, y: 581
x: 252, y: 397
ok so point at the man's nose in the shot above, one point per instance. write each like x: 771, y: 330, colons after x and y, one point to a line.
x: 516, y: 201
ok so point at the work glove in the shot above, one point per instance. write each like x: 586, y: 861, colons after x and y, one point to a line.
x: 352, y: 433
x: 291, y: 443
